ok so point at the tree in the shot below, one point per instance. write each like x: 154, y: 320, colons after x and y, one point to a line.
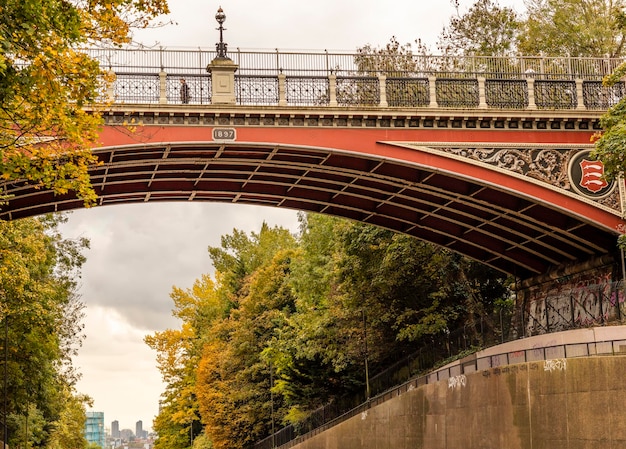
x: 68, y: 430
x: 394, y: 59
x: 178, y: 354
x: 589, y: 28
x: 42, y: 314
x: 486, y: 29
x: 239, y: 255
x: 283, y: 329
x: 46, y: 81
x: 610, y: 147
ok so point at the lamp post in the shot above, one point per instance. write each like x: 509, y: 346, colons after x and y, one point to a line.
x: 222, y: 69
x: 367, y: 371
x: 5, y: 436
x: 221, y: 46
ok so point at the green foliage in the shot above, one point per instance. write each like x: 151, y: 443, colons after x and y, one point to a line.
x: 239, y: 255
x: 68, y: 430
x: 591, y: 28
x: 610, y: 145
x: 283, y: 328
x: 178, y: 354
x: 42, y: 314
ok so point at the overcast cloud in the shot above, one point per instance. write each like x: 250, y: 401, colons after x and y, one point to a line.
x: 138, y: 252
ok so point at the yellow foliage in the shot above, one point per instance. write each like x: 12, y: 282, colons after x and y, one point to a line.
x: 45, y: 82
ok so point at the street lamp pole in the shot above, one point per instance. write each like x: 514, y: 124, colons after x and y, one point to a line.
x: 272, y: 404
x: 221, y: 46
x: 5, y: 387
x: 367, y: 371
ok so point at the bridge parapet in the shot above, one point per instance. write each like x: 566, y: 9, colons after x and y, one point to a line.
x: 324, y: 79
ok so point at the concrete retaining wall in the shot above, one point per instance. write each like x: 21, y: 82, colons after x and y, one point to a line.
x: 573, y: 403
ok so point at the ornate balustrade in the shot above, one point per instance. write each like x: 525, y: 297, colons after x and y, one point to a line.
x: 431, y: 92
x: 362, y: 80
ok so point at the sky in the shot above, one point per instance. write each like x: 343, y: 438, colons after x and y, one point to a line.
x: 139, y: 252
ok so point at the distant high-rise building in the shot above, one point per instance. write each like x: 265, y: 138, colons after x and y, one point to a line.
x: 115, y: 429
x: 139, y: 429
x: 94, y: 428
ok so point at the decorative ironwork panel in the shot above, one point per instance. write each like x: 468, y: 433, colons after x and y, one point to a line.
x: 199, y: 89
x: 358, y: 90
x: 251, y: 90
x: 547, y: 165
x: 597, y: 96
x: 411, y: 92
x: 457, y: 93
x: 555, y: 94
x: 511, y: 94
x: 136, y: 88
x: 307, y: 90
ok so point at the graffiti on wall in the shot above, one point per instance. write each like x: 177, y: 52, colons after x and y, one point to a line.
x: 577, y: 301
x: 457, y: 381
x: 555, y: 365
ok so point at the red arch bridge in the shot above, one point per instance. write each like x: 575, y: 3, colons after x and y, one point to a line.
x: 488, y: 157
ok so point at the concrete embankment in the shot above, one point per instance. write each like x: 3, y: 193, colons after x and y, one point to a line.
x: 560, y: 403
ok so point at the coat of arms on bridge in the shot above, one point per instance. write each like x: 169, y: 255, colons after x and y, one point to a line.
x: 587, y: 176
x: 566, y: 167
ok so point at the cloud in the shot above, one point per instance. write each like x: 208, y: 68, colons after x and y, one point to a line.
x: 140, y: 251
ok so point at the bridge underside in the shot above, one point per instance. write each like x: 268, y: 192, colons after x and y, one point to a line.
x: 486, y: 222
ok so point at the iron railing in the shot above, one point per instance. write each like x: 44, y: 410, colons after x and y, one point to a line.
x: 372, y: 80
x: 324, y: 63
x: 554, y: 357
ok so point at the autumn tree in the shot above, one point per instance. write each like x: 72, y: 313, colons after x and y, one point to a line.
x: 68, y: 430
x: 318, y: 353
x: 42, y: 315
x: 589, y: 28
x: 233, y: 380
x: 239, y: 255
x: 212, y: 366
x: 393, y: 59
x: 178, y: 354
x: 284, y: 327
x: 46, y: 81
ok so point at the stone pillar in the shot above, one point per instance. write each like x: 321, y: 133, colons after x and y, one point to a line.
x: 332, y: 89
x: 580, y: 96
x: 162, y: 87
x: 432, y: 88
x: 282, y: 90
x: 382, y: 82
x: 222, y: 72
x: 482, y: 97
x: 531, y: 93
x: 110, y: 95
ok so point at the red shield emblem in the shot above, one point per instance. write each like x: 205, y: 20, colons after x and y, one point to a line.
x: 592, y: 175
